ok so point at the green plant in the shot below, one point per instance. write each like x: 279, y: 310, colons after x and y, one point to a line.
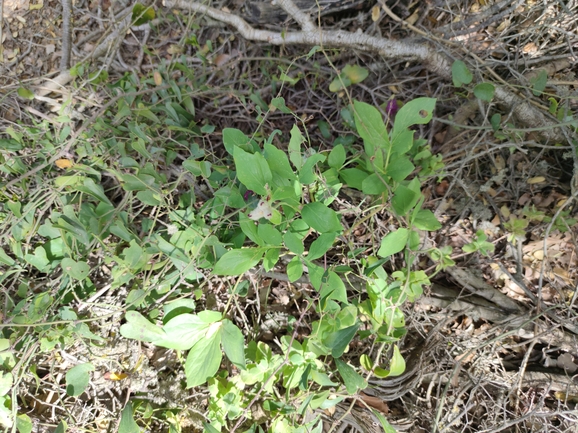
x: 294, y: 191
x: 160, y: 236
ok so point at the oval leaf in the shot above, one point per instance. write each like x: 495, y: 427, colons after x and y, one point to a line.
x: 237, y: 262
x: 321, y: 218
x: 394, y: 242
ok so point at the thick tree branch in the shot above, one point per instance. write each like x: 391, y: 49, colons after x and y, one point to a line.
x: 434, y: 61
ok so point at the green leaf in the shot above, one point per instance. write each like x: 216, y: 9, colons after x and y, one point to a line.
x: 127, y: 423
x: 278, y: 162
x: 400, y: 168
x: 271, y: 258
x: 25, y: 93
x: 205, y: 357
x: 295, y: 147
x: 234, y: 138
x: 139, y: 328
x: 321, y: 218
x: 6, y: 380
x: 184, y: 331
x: 397, y: 363
x: 355, y: 73
x: 418, y: 111
x: 77, y: 378
x: 339, y: 340
x: 461, y: 74
x: 233, y: 344
x: 495, y: 121
x: 237, y: 262
x: 353, y: 177
x: 142, y: 14
x: 293, y: 242
x: 539, y: 82
x: 306, y: 174
x: 321, y: 245
x: 406, y: 197
x: 269, y: 234
x: 294, y: 269
x: 334, y: 289
x: 373, y: 184
x: 252, y: 170
x: 77, y: 270
x: 209, y: 428
x: 353, y: 381
x: 485, y: 91
x: 24, y: 423
x: 336, y: 157
x: 385, y: 425
x: 394, y: 242
x: 426, y: 220
x: 370, y: 126
x: 62, y: 427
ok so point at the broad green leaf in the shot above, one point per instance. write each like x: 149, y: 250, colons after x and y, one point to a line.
x: 234, y: 138
x: 539, y: 82
x: 209, y: 428
x: 295, y: 147
x: 77, y: 378
x: 373, y: 184
x: 338, y: 290
x: 204, y: 358
x: 271, y: 258
x: 139, y: 328
x: 321, y: 245
x: 353, y: 381
x: 250, y: 229
x: 252, y: 170
x: 485, y: 91
x: 426, y: 220
x: 339, y: 340
x: 39, y: 259
x: 418, y: 111
x: 142, y: 14
x: 336, y: 157
x: 127, y: 423
x: 353, y: 177
x: 355, y: 73
x: 278, y: 162
x: 184, y: 331
x: 94, y: 190
x: 293, y: 242
x: 62, y: 427
x: 25, y: 93
x: 6, y: 381
x: 321, y: 218
x: 77, y: 270
x: 24, y: 423
x: 406, y: 197
x: 294, y: 269
x: 370, y: 126
x: 279, y: 102
x: 461, y: 74
x: 233, y: 344
x: 397, y: 363
x: 400, y: 168
x: 237, y: 262
x: 269, y: 234
x: 306, y: 174
x: 393, y: 242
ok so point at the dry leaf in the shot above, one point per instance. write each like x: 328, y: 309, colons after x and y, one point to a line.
x: 158, y: 78
x: 537, y: 179
x: 63, y: 163
x: 375, y: 13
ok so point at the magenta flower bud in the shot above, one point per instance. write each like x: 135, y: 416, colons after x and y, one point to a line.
x: 247, y: 194
x: 391, y: 108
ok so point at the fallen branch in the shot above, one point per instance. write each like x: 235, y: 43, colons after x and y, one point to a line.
x: 546, y: 128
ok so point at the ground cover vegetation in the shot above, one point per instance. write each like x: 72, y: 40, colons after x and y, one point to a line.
x: 200, y: 234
